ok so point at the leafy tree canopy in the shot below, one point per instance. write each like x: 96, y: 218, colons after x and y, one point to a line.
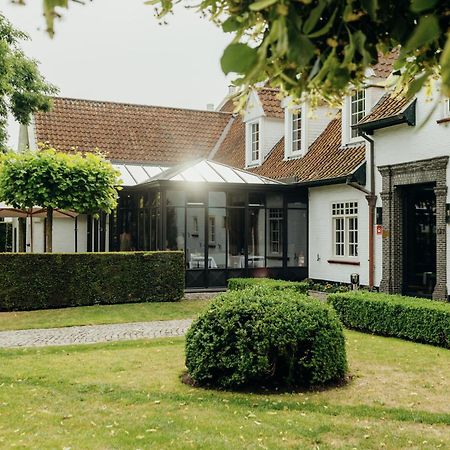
x: 322, y: 48
x: 84, y: 183
x: 23, y: 90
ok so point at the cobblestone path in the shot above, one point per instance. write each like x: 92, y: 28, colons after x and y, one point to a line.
x: 91, y: 334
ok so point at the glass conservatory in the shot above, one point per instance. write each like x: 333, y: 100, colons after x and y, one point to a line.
x: 228, y: 222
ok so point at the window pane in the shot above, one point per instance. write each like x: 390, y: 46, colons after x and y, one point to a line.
x: 275, y: 237
x: 236, y: 199
x: 175, y: 198
x: 357, y: 109
x: 195, y: 239
x: 256, y: 237
x: 217, y: 237
x: 256, y: 199
x: 217, y: 199
x: 175, y: 228
x: 297, y: 238
x: 195, y: 197
x: 235, y: 229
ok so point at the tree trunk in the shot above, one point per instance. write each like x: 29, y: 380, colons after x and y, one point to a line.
x: 49, y: 230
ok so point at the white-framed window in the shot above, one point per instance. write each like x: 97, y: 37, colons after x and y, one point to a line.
x: 357, y: 110
x: 254, y: 142
x: 446, y: 109
x: 297, y: 131
x: 275, y: 231
x: 345, y: 229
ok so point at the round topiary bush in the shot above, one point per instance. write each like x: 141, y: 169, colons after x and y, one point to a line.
x: 257, y: 337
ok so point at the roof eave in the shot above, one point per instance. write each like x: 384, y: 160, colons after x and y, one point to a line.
x: 408, y: 116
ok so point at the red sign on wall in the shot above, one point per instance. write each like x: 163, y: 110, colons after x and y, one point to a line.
x: 379, y: 229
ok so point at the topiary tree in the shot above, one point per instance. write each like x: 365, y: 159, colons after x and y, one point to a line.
x: 84, y: 183
x: 23, y: 90
x: 261, y: 337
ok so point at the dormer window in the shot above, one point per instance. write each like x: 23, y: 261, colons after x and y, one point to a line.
x: 254, y: 142
x: 357, y: 110
x: 297, y: 131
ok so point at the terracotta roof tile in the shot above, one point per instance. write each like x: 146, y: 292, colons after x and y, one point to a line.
x: 271, y: 102
x: 385, y: 63
x: 325, y: 159
x: 232, y: 149
x: 388, y: 106
x: 132, y: 133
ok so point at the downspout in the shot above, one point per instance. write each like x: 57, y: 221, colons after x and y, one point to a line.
x: 372, y: 202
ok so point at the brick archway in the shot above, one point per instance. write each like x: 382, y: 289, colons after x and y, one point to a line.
x: 394, y: 177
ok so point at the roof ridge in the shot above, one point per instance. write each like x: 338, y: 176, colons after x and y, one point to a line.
x: 139, y: 105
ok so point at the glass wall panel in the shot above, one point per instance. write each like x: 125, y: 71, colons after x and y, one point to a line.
x: 256, y: 199
x: 128, y: 229
x: 236, y: 237
x: 274, y: 200
x: 217, y: 220
x: 297, y: 238
x: 175, y: 198
x: 195, y: 198
x: 195, y: 238
x: 256, y: 237
x: 217, y: 199
x: 143, y: 231
x: 175, y: 237
x: 155, y: 228
x: 236, y: 198
x: 275, y: 237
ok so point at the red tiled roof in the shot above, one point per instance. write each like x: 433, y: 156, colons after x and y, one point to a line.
x: 388, y: 106
x: 271, y: 102
x: 132, y: 133
x: 325, y: 159
x: 385, y: 63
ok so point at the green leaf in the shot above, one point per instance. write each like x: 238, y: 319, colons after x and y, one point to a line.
x: 230, y: 25
x: 314, y: 16
x: 445, y: 68
x: 426, y: 31
x: 416, y: 85
x: 238, y: 58
x: 262, y: 4
x: 325, y: 29
x: 418, y: 6
x: 371, y: 7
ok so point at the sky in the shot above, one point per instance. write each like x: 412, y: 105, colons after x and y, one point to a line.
x: 108, y: 51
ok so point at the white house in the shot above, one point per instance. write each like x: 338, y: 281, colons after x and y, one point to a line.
x: 280, y: 191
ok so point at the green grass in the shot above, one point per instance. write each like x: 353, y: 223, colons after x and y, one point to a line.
x: 128, y: 395
x: 101, y: 314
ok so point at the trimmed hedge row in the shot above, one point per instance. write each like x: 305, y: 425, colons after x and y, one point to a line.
x: 258, y: 337
x: 411, y: 318
x: 37, y: 281
x: 237, y: 284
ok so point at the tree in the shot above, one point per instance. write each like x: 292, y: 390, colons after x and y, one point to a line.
x: 322, y: 48
x: 23, y: 90
x: 84, y: 183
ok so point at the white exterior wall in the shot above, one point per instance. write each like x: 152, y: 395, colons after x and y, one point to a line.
x: 317, y: 120
x: 403, y: 143
x: 321, y: 234
x: 272, y: 131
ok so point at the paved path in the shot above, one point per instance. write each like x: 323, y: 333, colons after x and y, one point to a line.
x: 93, y: 333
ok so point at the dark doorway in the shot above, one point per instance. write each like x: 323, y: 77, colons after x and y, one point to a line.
x: 419, y: 248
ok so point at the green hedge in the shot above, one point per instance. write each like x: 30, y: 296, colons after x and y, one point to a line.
x: 237, y: 284
x: 50, y: 280
x: 258, y: 337
x: 415, y: 319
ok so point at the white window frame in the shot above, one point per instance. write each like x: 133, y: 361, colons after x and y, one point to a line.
x: 290, y: 150
x: 358, y: 98
x: 446, y: 108
x: 250, y: 160
x: 345, y: 230
x: 347, y: 137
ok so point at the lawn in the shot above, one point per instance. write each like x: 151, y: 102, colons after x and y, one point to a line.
x: 129, y: 395
x: 101, y: 314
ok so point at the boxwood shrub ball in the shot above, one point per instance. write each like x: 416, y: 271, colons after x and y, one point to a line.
x: 260, y: 337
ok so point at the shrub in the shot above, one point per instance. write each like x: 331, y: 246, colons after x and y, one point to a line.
x: 236, y: 284
x: 416, y: 319
x: 257, y: 337
x: 37, y: 281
